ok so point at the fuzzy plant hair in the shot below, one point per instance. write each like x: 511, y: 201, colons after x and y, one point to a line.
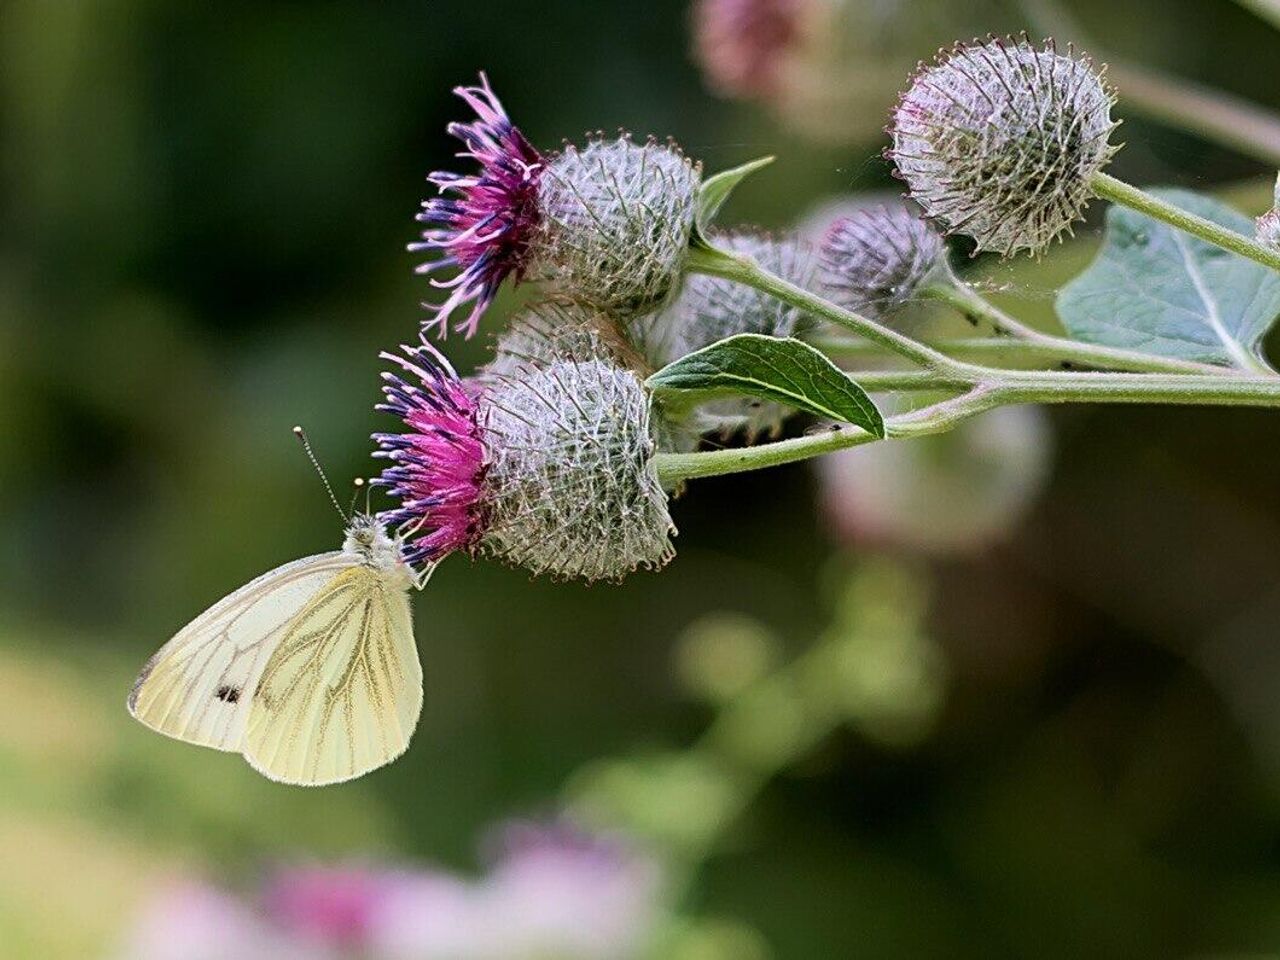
x: 709, y: 309
x: 1268, y: 231
x: 546, y: 331
x: 876, y: 260
x: 1000, y: 141
x: 572, y: 490
x: 549, y: 331
x: 616, y: 222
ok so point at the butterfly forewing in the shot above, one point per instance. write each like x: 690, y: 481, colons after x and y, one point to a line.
x: 199, y: 686
x: 341, y: 692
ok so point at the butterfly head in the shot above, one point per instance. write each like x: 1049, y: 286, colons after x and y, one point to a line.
x: 368, y: 539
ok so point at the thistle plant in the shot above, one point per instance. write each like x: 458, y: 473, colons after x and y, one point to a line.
x: 657, y: 325
x: 573, y: 489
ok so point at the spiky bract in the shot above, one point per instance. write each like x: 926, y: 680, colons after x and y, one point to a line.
x: 616, y: 221
x: 876, y: 259
x: 572, y: 487
x: 1001, y: 140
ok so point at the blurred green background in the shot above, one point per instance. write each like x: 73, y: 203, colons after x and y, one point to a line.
x: 203, y: 214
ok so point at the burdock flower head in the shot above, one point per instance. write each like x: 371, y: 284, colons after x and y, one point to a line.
x: 607, y: 224
x: 483, y: 223
x: 549, y: 467
x: 1000, y: 141
x: 616, y: 221
x: 876, y: 260
x: 573, y: 489
x: 438, y: 465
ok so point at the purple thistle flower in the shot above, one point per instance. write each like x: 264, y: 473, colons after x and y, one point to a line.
x: 438, y: 465
x: 482, y: 223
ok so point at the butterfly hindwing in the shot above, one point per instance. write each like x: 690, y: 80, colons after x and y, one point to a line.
x: 342, y: 689
x: 198, y: 687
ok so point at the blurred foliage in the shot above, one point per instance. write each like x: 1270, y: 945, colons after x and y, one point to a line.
x: 203, y: 210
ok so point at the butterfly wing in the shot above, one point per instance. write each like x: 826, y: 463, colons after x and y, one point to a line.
x: 198, y: 687
x: 342, y: 691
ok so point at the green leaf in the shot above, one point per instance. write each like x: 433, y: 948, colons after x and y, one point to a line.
x: 784, y: 371
x: 1156, y: 289
x: 715, y: 191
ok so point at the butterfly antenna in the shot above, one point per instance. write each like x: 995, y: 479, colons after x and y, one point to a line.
x: 358, y: 483
x: 306, y: 446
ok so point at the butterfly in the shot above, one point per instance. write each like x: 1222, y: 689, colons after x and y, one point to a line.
x: 310, y: 671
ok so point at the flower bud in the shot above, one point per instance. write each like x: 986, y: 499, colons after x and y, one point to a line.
x: 876, y: 260
x: 547, y: 331
x: 572, y: 489
x: 616, y: 221
x: 1000, y: 141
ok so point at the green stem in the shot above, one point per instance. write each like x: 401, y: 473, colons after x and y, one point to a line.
x: 1117, y: 191
x: 675, y: 468
x: 1004, y: 387
x: 885, y: 381
x: 1268, y: 10
x: 986, y: 350
x: 1213, y: 115
x: 965, y: 299
x: 742, y: 269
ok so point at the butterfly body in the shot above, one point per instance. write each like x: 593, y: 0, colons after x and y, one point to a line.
x: 310, y: 670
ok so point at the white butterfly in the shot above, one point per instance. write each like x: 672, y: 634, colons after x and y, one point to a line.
x: 310, y: 671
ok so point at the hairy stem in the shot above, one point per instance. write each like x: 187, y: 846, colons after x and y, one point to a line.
x: 1002, y: 388
x: 1117, y: 191
x: 742, y: 269
x: 965, y: 299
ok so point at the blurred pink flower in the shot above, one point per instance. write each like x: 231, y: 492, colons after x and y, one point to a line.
x: 952, y: 493
x: 192, y: 921
x: 742, y: 44
x: 552, y: 891
x: 556, y: 891
x: 334, y: 906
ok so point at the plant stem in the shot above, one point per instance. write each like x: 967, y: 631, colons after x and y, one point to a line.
x: 1211, y: 114
x: 742, y: 269
x: 1004, y: 387
x: 966, y: 300
x: 986, y: 350
x: 674, y: 468
x: 1117, y: 191
x: 1268, y: 10
x: 900, y: 380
